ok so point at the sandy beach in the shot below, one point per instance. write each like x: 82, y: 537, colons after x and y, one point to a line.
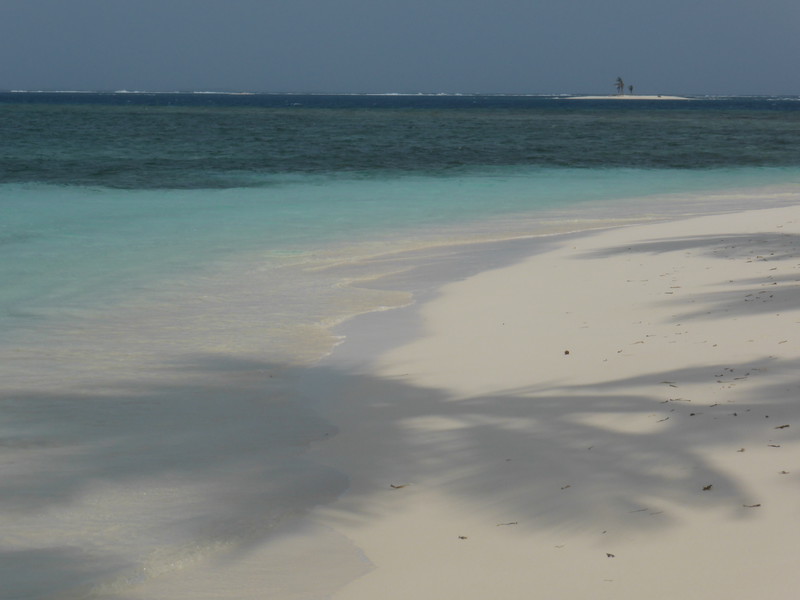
x: 614, y: 416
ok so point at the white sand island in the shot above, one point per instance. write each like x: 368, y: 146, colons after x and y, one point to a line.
x: 627, y: 97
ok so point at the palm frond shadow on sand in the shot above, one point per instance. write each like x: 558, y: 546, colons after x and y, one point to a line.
x: 542, y: 457
x: 773, y: 287
x: 576, y: 457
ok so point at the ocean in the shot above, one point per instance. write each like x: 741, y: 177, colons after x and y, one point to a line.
x: 170, y: 263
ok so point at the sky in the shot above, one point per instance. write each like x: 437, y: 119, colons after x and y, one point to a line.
x: 402, y: 46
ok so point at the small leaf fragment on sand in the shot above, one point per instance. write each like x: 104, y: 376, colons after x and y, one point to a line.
x: 462, y: 537
x: 398, y: 487
x: 609, y: 555
x: 509, y: 523
x: 781, y: 427
x: 707, y: 487
x: 751, y: 505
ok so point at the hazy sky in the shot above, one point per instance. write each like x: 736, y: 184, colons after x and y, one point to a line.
x: 512, y: 46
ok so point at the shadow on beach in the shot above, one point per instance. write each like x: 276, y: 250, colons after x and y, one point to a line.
x: 532, y: 455
x: 218, y: 458
x: 523, y: 452
x: 771, y: 292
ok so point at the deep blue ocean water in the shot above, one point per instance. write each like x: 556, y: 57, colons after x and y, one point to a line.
x: 165, y: 255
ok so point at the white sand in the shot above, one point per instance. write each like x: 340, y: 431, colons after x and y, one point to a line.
x: 650, y: 461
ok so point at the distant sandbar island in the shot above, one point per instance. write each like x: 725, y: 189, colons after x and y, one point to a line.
x: 619, y: 84
x: 626, y: 97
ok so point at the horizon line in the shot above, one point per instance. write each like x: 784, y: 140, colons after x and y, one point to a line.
x: 324, y: 93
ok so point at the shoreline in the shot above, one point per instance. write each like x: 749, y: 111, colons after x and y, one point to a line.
x: 562, y: 415
x: 271, y: 510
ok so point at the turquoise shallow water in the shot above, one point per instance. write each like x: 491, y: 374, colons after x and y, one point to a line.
x: 167, y: 260
x: 69, y: 247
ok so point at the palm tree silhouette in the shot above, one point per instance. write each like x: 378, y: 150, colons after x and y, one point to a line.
x: 620, y: 86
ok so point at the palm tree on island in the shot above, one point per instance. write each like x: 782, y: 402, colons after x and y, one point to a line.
x: 620, y: 86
